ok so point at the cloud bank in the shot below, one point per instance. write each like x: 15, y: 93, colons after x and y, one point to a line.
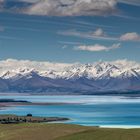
x: 99, y: 34
x: 130, y: 2
x: 66, y: 7
x: 97, y: 48
x: 72, y: 7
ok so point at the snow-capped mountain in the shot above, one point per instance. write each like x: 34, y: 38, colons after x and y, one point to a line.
x: 32, y: 76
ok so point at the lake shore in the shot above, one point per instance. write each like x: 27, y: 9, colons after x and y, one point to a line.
x: 103, y: 111
x: 14, y: 119
x: 10, y: 102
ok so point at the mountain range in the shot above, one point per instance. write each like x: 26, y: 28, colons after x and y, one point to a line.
x: 24, y: 76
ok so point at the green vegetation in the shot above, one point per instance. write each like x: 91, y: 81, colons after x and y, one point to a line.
x: 37, y: 131
x: 14, y: 119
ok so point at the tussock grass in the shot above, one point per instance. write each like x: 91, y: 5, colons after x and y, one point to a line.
x: 43, y: 131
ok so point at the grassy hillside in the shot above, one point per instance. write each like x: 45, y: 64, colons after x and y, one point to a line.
x: 64, y: 132
x: 37, y: 131
x: 105, y: 134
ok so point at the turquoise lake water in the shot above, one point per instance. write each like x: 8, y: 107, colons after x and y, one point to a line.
x: 106, y: 111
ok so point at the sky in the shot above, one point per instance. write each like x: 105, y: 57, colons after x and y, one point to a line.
x: 70, y: 31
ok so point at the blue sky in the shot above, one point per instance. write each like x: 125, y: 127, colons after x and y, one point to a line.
x: 35, y: 31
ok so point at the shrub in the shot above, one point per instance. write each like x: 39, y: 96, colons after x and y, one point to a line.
x: 29, y: 115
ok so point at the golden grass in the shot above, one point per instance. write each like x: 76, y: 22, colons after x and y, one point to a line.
x: 64, y: 132
x: 37, y: 131
x: 105, y: 134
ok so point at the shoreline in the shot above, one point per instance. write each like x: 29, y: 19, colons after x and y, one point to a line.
x: 120, y: 126
x: 127, y: 94
x: 4, y: 105
x: 55, y: 120
x: 16, y: 119
x: 16, y: 103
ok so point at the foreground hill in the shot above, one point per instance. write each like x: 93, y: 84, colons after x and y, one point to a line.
x: 31, y: 76
x: 64, y: 132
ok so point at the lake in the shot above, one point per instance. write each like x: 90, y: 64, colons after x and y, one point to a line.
x: 104, y: 111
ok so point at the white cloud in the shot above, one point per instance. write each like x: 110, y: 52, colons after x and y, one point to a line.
x: 97, y: 47
x: 69, y: 7
x: 98, y: 34
x: 75, y: 7
x: 130, y: 37
x: 72, y: 7
x: 130, y: 2
x: 13, y: 64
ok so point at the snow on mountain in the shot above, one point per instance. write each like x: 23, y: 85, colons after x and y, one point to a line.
x: 25, y: 75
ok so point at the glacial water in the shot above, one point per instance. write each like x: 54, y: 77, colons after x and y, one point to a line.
x: 105, y: 111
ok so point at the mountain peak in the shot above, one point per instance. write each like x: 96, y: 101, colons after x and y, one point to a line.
x: 95, y: 77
